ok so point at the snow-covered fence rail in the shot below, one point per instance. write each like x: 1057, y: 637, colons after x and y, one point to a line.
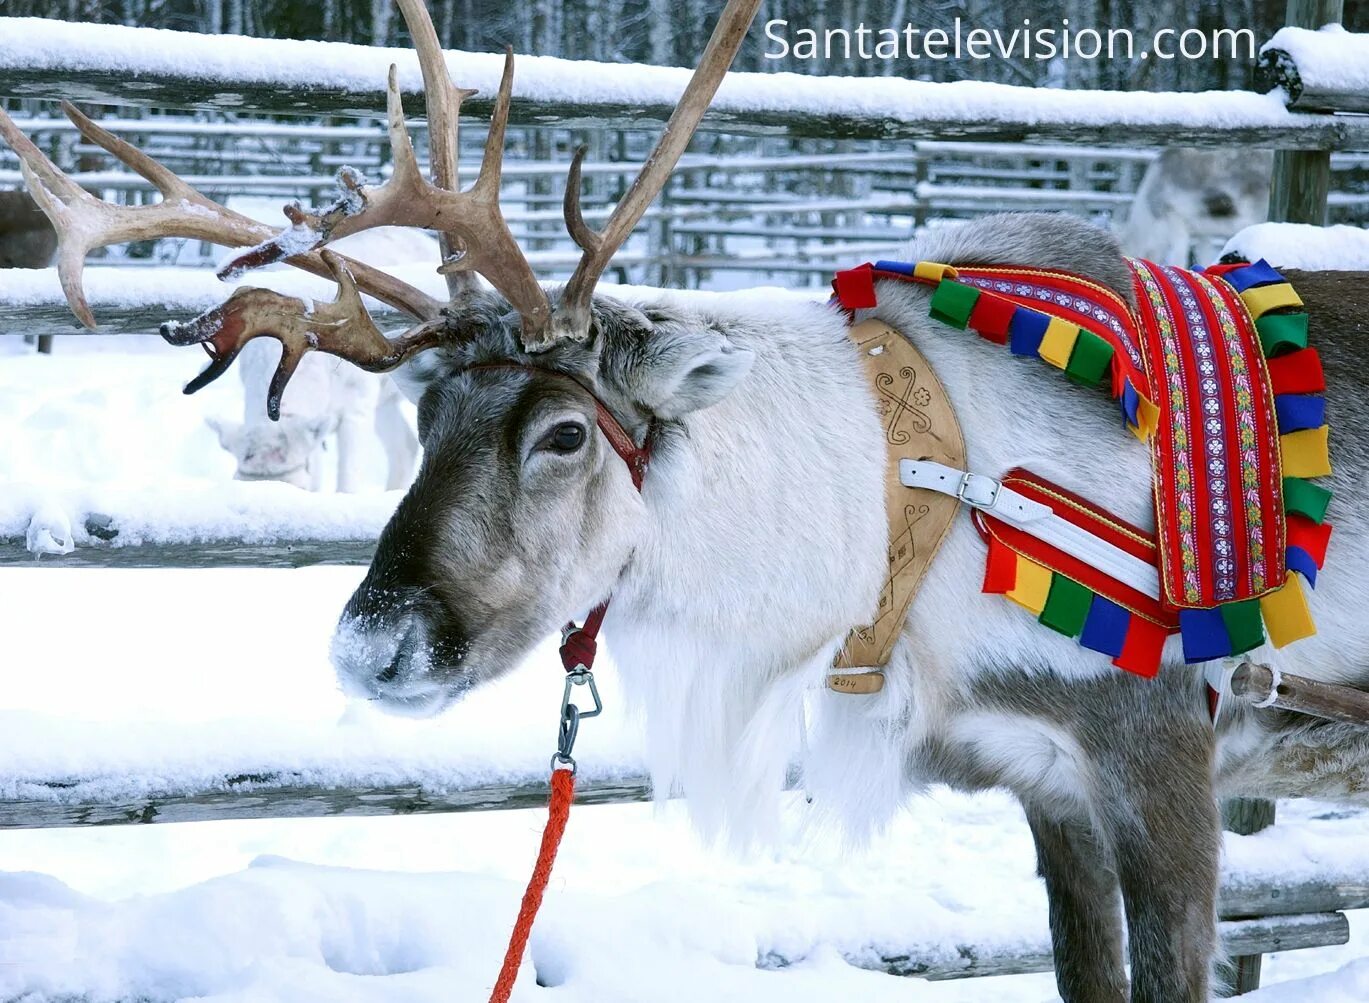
x: 1326, y: 70
x: 137, y: 66
x: 1259, y: 917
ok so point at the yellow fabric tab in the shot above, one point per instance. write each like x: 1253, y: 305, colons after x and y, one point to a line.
x: 1306, y: 452
x: 1148, y: 417
x: 1286, y: 616
x: 1259, y: 300
x: 1033, y: 585
x: 934, y: 271
x: 1058, y: 342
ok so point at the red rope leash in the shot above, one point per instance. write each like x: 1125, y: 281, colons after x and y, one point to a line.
x: 562, y: 794
x: 578, y: 648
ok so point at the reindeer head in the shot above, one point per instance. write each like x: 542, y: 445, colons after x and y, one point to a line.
x: 524, y: 511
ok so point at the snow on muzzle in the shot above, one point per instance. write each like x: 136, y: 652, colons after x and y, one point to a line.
x: 393, y: 659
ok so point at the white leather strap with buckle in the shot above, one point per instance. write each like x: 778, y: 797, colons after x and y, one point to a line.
x: 990, y: 495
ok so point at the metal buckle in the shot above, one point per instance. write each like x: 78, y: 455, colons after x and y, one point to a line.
x: 572, y: 715
x: 978, y: 491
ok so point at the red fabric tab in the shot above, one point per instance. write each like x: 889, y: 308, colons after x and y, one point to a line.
x: 1304, y: 533
x: 1000, y: 574
x: 1142, y: 648
x: 1297, y: 373
x: 991, y: 316
x: 855, y: 287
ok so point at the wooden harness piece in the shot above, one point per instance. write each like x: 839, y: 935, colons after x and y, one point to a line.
x: 920, y: 423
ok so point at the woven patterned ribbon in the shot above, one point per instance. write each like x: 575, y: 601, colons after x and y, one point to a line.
x: 1213, y: 369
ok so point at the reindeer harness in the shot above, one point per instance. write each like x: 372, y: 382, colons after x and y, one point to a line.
x: 1212, y: 370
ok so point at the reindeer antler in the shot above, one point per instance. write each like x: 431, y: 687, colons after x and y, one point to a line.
x: 343, y: 328
x: 84, y: 222
x: 572, y: 317
x: 408, y: 199
x: 475, y: 235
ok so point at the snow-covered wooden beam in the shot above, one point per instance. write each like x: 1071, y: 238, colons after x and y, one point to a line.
x: 1301, y: 913
x: 55, y: 805
x: 1320, y: 71
x: 1238, y: 937
x: 111, y: 64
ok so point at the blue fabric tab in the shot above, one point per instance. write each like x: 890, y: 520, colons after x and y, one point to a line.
x: 1258, y: 274
x: 1105, y: 628
x: 1131, y: 402
x: 1204, y: 634
x: 1298, y: 411
x: 1026, y: 329
x: 902, y: 267
x: 1302, y: 562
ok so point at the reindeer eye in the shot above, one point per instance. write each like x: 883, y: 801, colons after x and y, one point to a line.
x: 566, y: 437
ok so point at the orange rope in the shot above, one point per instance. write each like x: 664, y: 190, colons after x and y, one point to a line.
x: 562, y: 794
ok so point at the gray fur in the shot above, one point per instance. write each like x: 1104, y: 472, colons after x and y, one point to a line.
x: 759, y: 541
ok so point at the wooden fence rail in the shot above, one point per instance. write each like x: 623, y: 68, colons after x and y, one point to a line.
x: 80, y: 68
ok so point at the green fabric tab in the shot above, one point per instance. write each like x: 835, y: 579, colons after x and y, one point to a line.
x: 1090, y: 359
x: 1243, y: 625
x: 1067, y: 606
x: 953, y: 301
x: 1305, y: 498
x: 1282, y: 330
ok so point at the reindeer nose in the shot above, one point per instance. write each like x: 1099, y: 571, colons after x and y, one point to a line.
x: 1219, y: 204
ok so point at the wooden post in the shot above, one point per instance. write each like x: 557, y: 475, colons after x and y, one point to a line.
x: 1244, y: 816
x: 1301, y: 181
x: 1303, y: 177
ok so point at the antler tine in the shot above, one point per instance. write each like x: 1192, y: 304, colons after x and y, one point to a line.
x: 401, y: 146
x: 571, y: 319
x: 343, y: 328
x: 492, y: 162
x: 585, y: 236
x: 443, y: 100
x: 162, y: 179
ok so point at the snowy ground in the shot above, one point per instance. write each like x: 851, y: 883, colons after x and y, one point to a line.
x: 160, y: 674
x: 417, y: 908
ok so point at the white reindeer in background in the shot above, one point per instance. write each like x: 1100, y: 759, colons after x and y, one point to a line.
x: 1191, y: 202
x: 328, y: 402
x: 759, y: 538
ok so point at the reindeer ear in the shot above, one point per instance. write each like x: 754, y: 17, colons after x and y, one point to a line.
x: 414, y: 376
x: 227, y: 431
x: 690, y: 371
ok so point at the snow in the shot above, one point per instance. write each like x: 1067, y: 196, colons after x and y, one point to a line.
x: 231, y: 61
x: 1328, y: 59
x: 1302, y: 245
x: 417, y: 908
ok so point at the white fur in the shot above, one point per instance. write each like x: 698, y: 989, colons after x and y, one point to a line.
x: 765, y: 543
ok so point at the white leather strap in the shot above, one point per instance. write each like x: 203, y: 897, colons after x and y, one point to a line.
x: 990, y: 495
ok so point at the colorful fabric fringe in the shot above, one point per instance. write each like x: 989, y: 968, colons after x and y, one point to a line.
x: 1070, y: 596
x: 1214, y: 371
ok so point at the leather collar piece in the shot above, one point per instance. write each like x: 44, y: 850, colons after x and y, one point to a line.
x: 918, y: 423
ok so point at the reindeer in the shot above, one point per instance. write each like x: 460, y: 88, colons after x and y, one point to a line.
x: 27, y: 239
x: 328, y: 402
x: 1191, y: 202
x: 757, y: 539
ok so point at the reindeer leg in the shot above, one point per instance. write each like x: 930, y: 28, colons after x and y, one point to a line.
x: 1158, y: 810
x: 1086, y: 921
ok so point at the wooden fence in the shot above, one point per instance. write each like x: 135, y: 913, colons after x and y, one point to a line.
x: 1258, y: 919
